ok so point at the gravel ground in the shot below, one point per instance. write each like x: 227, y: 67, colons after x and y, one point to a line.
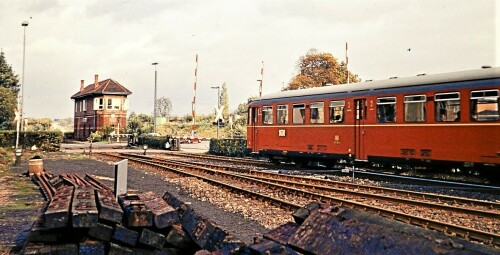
x: 143, y: 180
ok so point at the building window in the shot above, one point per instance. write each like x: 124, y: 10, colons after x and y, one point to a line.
x: 337, y: 111
x: 282, y: 114
x: 117, y: 103
x: 124, y: 104
x: 415, y: 108
x: 386, y: 109
x: 484, y: 105
x: 84, y: 120
x: 98, y: 103
x: 267, y: 115
x: 447, y: 107
x: 317, y: 113
x: 84, y: 105
x: 299, y: 113
x: 110, y: 104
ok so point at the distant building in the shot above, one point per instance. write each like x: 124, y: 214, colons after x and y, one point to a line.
x: 102, y: 103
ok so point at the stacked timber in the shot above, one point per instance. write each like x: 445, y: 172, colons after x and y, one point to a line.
x: 83, y: 217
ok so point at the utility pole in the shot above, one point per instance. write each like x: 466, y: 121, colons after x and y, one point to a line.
x: 154, y: 112
x: 193, y: 111
x: 20, y: 126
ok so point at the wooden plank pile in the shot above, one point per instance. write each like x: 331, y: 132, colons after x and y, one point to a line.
x: 83, y: 217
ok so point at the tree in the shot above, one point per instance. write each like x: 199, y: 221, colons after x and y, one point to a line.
x: 139, y: 123
x: 224, y: 100
x: 9, y: 88
x: 163, y: 106
x: 240, y: 116
x: 317, y: 69
x: 41, y: 124
x: 8, y: 79
x: 7, y: 105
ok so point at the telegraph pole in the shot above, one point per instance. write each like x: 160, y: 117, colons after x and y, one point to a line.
x: 193, y: 111
x: 155, y: 111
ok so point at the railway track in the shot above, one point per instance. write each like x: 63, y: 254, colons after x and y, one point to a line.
x: 220, y: 158
x: 435, y: 211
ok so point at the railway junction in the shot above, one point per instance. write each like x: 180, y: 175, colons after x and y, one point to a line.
x: 247, y: 202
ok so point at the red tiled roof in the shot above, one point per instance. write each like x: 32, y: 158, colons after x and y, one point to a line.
x: 105, y: 87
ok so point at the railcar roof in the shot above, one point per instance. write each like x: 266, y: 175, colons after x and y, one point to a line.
x: 478, y: 74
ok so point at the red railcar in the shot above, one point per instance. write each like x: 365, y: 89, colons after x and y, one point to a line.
x: 449, y: 119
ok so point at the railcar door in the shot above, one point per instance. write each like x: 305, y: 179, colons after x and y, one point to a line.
x: 359, y: 128
x: 253, y: 117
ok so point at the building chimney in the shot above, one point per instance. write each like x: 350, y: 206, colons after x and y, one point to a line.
x: 96, y: 82
x: 82, y: 86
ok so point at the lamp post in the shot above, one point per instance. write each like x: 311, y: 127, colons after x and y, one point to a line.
x: 20, y: 101
x: 218, y: 105
x: 154, y: 112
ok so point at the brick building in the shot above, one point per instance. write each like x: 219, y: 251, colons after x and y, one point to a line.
x: 100, y: 104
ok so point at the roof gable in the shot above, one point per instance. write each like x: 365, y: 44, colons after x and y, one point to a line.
x: 105, y: 87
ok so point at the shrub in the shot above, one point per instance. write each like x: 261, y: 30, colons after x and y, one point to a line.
x: 157, y: 142
x: 228, y: 147
x: 44, y: 140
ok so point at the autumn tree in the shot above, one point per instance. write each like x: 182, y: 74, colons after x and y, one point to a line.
x: 317, y: 69
x: 9, y: 88
x: 163, y: 106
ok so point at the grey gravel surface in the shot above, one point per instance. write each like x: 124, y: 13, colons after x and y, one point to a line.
x: 141, y: 180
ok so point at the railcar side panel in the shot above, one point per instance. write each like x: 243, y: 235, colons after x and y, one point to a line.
x: 442, y: 125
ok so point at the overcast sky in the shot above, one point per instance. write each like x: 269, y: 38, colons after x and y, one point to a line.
x: 69, y: 41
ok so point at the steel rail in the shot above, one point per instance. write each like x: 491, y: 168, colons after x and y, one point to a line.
x: 219, y: 158
x: 337, y: 185
x: 450, y: 229
x: 274, y: 201
x: 369, y: 188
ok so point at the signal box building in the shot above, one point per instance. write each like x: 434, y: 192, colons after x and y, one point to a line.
x: 100, y: 104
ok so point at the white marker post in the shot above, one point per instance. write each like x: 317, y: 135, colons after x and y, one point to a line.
x: 121, y: 172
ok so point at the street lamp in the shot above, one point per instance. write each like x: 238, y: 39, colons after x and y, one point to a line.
x: 21, y: 99
x: 154, y: 112
x: 218, y: 105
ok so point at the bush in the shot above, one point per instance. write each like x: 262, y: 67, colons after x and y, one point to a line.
x: 228, y: 147
x: 44, y: 140
x: 157, y: 142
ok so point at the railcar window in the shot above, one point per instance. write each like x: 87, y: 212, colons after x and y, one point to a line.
x: 317, y: 112
x: 447, y: 107
x: 267, y: 115
x: 484, y: 105
x: 386, y: 109
x: 415, y: 108
x: 337, y: 111
x: 282, y: 114
x: 299, y: 113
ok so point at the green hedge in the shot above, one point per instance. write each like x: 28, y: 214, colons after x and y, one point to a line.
x: 156, y: 142
x: 44, y: 140
x: 228, y: 147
